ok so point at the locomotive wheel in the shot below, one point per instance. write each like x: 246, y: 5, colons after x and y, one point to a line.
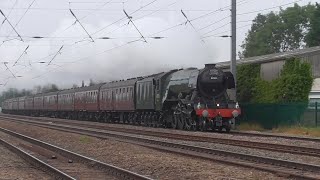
x: 181, y: 122
x: 174, y: 122
x: 190, y: 123
x: 203, y: 125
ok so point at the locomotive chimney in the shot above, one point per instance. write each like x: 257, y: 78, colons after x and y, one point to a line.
x: 209, y: 65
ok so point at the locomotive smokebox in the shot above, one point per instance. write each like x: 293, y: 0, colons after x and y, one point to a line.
x: 211, y: 82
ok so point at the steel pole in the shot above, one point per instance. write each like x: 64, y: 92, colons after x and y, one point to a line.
x: 233, y: 66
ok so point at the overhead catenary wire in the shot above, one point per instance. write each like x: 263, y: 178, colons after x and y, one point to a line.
x: 245, y: 13
x: 137, y: 10
x: 216, y: 35
x: 92, y: 12
x: 24, y: 52
x: 225, y: 8
x: 59, y: 51
x: 5, y: 64
x: 11, y: 25
x: 77, y: 20
x: 130, y: 20
x: 279, y: 6
x: 14, y: 4
x: 15, y: 26
x: 107, y: 37
x: 87, y: 57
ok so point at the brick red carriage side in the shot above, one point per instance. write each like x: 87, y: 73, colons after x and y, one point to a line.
x: 29, y: 105
x: 66, y: 104
x: 21, y: 105
x: 15, y: 104
x: 117, y: 100
x: 86, y: 102
x: 38, y: 105
x: 50, y: 104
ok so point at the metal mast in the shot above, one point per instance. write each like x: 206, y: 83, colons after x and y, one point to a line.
x: 233, y: 66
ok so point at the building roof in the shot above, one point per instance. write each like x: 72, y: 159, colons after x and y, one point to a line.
x: 273, y: 57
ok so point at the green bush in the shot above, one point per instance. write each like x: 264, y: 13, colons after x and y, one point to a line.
x: 280, y: 102
x: 293, y: 85
x: 247, y: 75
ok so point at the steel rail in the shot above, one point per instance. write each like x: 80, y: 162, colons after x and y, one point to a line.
x: 288, y: 168
x: 239, y: 133
x: 112, y: 170
x: 234, y: 142
x: 56, y: 173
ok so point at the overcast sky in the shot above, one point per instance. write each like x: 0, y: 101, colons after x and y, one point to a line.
x: 125, y: 55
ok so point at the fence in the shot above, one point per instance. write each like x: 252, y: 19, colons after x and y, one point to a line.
x: 274, y: 115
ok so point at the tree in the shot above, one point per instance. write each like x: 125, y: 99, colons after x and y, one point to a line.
x: 295, y: 82
x: 278, y: 32
x: 49, y: 88
x: 313, y: 36
x: 75, y: 86
x: 247, y: 74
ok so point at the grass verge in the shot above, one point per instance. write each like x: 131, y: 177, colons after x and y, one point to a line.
x: 299, y: 130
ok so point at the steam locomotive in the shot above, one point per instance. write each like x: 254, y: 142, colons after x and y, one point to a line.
x: 187, y: 99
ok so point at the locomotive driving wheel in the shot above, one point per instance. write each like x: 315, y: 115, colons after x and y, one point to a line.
x: 190, y: 123
x: 178, y: 120
x: 203, y: 125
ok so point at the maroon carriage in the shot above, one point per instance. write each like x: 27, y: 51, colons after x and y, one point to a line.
x: 86, y: 101
x: 118, y: 96
x: 117, y: 100
x: 15, y: 104
x: 38, y: 104
x: 29, y: 105
x: 6, y: 106
x: 50, y: 103
x: 66, y: 103
x: 21, y: 105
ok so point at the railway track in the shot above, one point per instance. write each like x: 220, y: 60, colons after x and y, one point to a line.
x: 241, y: 143
x: 281, y: 167
x: 64, y: 164
x: 238, y: 133
x: 34, y: 161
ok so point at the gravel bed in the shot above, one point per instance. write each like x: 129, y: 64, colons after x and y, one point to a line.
x: 155, y: 164
x: 274, y: 140
x: 14, y: 167
x: 76, y: 169
x: 249, y: 151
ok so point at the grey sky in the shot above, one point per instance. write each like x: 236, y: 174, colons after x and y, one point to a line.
x: 111, y: 59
